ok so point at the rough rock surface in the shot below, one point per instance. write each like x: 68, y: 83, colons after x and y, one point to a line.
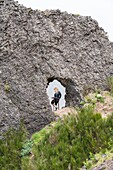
x: 106, y: 165
x: 36, y: 48
x: 112, y: 45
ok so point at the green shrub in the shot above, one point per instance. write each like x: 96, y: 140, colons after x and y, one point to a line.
x: 36, y: 137
x: 72, y: 142
x: 110, y: 84
x: 26, y: 148
x: 100, y: 98
x: 7, y: 87
x: 10, y: 148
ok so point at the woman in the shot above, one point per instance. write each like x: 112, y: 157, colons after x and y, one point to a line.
x: 56, y: 98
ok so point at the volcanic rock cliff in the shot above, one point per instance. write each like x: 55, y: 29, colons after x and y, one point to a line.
x: 36, y: 48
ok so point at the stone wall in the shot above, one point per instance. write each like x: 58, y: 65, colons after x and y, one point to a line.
x: 36, y: 48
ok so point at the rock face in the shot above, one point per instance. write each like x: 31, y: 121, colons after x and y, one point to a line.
x: 36, y: 48
x: 4, y: 3
x: 112, y: 45
x: 107, y: 164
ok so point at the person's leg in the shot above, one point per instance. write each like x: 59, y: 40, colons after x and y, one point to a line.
x: 53, y: 104
x: 58, y: 105
x: 56, y: 102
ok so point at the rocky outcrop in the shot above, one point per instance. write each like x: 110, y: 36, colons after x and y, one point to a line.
x: 112, y: 45
x: 107, y: 164
x: 36, y: 48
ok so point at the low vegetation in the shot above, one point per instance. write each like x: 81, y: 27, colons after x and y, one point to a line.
x: 7, y: 88
x: 10, y: 148
x: 110, y: 84
x: 71, y: 142
x: 98, y: 159
x: 67, y: 144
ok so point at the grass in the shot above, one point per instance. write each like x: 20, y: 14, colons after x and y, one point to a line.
x: 10, y: 148
x: 67, y: 144
x: 71, y: 142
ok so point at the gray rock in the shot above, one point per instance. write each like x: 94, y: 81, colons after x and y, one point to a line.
x: 36, y: 48
x: 107, y: 164
x: 112, y: 45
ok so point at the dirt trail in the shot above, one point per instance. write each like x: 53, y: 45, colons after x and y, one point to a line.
x: 65, y: 111
x: 104, y: 108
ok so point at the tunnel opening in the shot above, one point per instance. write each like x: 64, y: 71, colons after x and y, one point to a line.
x: 50, y: 92
x: 71, y: 93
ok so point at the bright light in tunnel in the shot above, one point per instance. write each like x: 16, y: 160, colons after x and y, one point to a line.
x: 50, y: 92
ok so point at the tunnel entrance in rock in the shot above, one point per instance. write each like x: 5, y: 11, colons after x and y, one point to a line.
x: 50, y: 92
x: 72, y: 95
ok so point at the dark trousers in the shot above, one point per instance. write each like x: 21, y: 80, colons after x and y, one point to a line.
x: 55, y: 101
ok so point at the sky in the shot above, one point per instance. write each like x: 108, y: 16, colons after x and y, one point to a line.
x: 100, y: 10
